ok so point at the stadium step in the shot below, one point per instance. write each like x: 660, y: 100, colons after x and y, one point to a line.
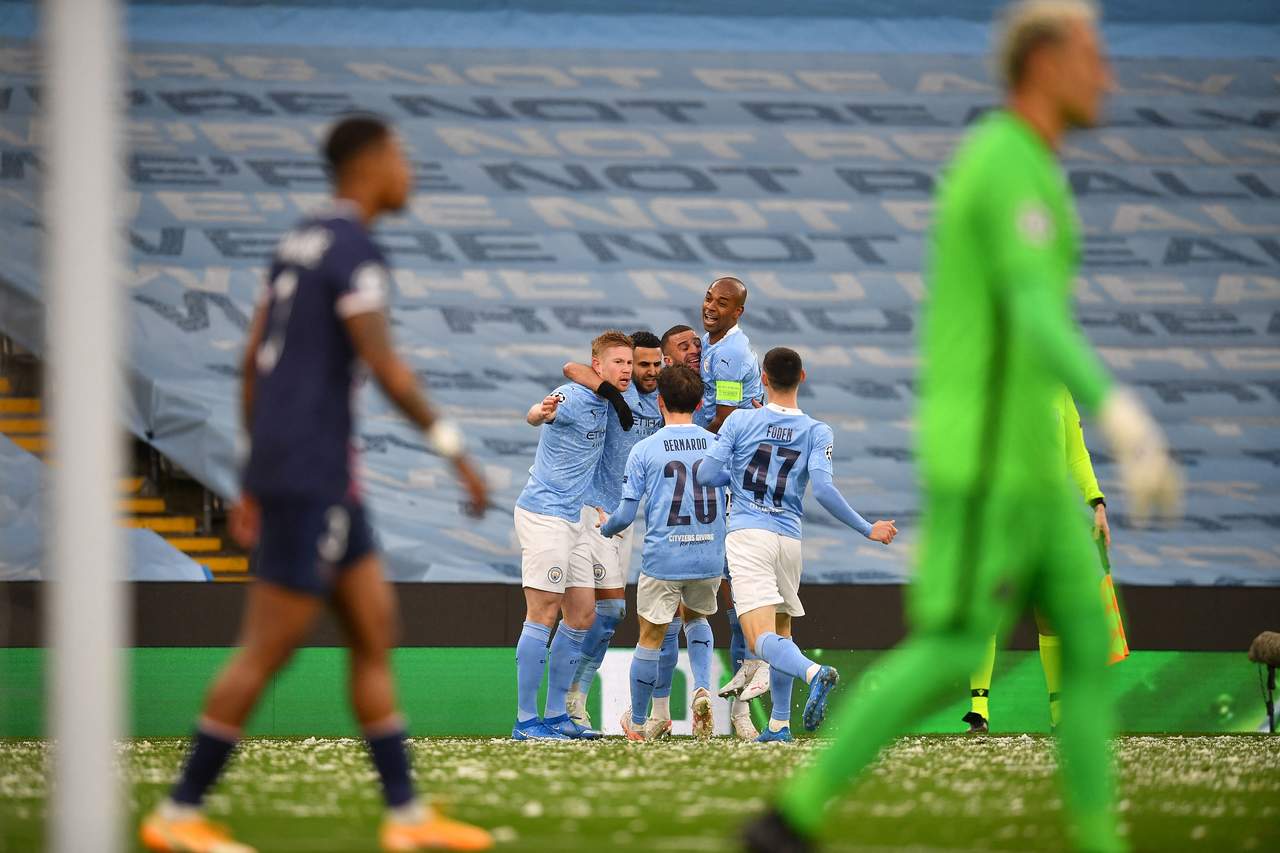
x: 22, y: 426
x: 20, y: 406
x: 31, y: 443
x: 142, y: 505
x: 225, y: 564
x: 195, y: 544
x: 233, y: 577
x: 130, y: 485
x: 162, y: 523
x: 5, y: 386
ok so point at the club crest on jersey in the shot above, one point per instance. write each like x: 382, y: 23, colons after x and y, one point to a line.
x: 598, y: 571
x: 555, y: 574
x: 559, y: 396
x: 1034, y: 225
x: 830, y: 447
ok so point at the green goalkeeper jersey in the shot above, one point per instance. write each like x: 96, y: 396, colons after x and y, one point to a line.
x: 999, y: 340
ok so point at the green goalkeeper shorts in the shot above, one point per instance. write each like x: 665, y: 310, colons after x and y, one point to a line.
x: 983, y: 559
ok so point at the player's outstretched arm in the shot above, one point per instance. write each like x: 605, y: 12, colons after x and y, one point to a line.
x: 621, y: 518
x: 371, y: 336
x: 722, y: 412
x: 543, y: 411
x: 712, y: 472
x: 582, y: 374
x: 829, y: 497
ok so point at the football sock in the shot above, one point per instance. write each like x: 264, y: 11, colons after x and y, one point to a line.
x: 211, y: 746
x: 531, y: 661
x: 667, y: 663
x: 609, y: 613
x: 1051, y: 661
x: 738, y: 708
x: 737, y: 642
x: 698, y: 638
x: 780, y: 685
x: 566, y: 648
x: 644, y: 677
x: 783, y: 654
x: 391, y: 759
x: 662, y: 707
x: 980, y: 681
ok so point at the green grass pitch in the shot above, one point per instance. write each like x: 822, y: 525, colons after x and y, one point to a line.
x: 1205, y: 793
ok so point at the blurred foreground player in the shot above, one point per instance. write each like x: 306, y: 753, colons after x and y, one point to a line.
x: 1000, y: 528
x: 322, y: 312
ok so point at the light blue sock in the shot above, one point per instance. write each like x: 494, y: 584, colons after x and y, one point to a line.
x: 565, y: 649
x: 644, y: 678
x: 531, y: 662
x: 783, y: 654
x: 780, y: 685
x: 698, y: 638
x: 670, y: 657
x: 737, y: 642
x: 609, y: 613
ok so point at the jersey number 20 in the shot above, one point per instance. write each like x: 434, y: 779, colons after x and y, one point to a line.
x: 704, y: 497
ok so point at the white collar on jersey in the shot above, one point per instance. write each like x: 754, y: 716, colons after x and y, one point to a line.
x: 733, y: 331
x: 677, y: 426
x: 782, y: 410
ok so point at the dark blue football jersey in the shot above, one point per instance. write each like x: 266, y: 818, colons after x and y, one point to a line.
x: 325, y: 270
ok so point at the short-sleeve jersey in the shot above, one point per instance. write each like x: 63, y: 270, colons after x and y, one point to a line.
x: 569, y: 449
x: 324, y: 270
x: 769, y: 453
x: 730, y: 375
x: 685, y: 524
x: 1004, y: 220
x: 606, y: 485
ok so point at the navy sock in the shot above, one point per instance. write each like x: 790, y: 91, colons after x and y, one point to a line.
x: 644, y: 677
x: 566, y: 647
x: 668, y: 660
x: 780, y: 685
x: 391, y: 759
x: 737, y: 642
x: 209, y: 754
x: 531, y: 662
x: 698, y: 638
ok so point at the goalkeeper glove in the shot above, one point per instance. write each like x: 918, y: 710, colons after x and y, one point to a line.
x: 614, y: 396
x: 1147, y: 473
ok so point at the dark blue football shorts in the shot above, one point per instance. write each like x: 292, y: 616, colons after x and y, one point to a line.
x: 305, y: 544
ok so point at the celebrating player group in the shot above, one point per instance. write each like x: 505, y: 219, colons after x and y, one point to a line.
x: 680, y: 425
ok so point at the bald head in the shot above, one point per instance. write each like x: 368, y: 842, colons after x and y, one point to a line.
x: 722, y: 306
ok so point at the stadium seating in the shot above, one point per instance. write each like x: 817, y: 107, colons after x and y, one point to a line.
x: 564, y: 191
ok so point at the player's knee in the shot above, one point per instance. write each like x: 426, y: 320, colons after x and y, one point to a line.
x: 612, y: 608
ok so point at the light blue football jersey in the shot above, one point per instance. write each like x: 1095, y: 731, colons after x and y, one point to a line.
x: 730, y: 375
x: 684, y: 534
x: 569, y: 448
x: 606, y: 486
x: 769, y: 453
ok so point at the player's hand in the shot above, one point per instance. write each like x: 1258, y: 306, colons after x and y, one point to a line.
x: 244, y: 522
x: 1101, y: 529
x: 1148, y: 474
x: 477, y: 491
x: 883, y: 532
x: 757, y: 403
x: 549, y: 405
x: 601, y: 516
